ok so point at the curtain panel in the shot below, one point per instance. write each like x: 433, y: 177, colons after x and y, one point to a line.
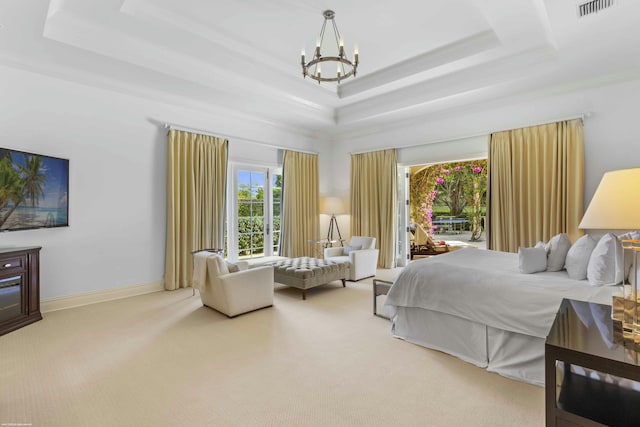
x: 196, y: 201
x: 536, y: 184
x: 374, y: 196
x: 300, y: 204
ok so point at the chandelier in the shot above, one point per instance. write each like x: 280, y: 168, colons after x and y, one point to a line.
x: 344, y: 67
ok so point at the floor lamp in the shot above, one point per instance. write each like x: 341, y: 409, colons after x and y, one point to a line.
x: 333, y: 206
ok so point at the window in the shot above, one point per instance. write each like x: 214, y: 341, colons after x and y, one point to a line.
x: 254, y: 212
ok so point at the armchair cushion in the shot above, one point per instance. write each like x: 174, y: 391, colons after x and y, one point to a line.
x: 348, y: 248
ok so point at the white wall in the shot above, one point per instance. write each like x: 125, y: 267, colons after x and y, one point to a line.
x: 117, y: 151
x: 610, y: 131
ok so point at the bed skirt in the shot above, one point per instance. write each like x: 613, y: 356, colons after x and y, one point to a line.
x: 513, y: 355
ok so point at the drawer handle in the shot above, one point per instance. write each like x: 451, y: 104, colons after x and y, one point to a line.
x: 7, y: 265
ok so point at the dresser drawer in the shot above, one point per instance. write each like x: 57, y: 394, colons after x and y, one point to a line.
x: 12, y: 264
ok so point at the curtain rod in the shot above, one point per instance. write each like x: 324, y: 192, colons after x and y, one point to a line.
x: 170, y: 126
x: 580, y: 116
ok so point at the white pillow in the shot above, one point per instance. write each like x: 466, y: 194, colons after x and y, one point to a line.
x: 631, y: 235
x: 348, y: 248
x: 578, y: 256
x: 232, y: 267
x: 542, y: 245
x: 605, y: 263
x: 532, y: 260
x: 558, y: 247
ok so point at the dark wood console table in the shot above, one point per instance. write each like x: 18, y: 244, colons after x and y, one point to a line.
x: 19, y: 287
x: 583, y: 336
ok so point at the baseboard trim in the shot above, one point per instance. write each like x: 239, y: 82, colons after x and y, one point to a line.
x: 61, y: 303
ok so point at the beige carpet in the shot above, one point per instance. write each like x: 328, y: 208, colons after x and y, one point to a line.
x: 165, y: 360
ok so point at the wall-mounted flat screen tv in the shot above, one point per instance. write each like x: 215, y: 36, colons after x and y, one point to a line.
x: 34, y: 191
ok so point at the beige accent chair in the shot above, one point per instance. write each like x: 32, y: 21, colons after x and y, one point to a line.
x: 235, y: 293
x: 360, y: 255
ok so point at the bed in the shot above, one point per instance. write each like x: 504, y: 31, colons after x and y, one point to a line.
x: 476, y: 305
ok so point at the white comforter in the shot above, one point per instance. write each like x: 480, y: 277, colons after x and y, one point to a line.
x: 486, y: 287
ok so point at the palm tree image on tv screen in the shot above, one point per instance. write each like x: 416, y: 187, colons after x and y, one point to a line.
x: 33, y: 191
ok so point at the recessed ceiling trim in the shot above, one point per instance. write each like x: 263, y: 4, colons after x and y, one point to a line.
x: 480, y: 76
x: 434, y: 58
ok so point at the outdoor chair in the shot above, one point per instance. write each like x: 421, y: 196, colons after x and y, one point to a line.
x: 424, y: 245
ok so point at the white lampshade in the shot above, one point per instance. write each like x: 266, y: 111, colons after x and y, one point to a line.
x: 332, y: 206
x: 614, y: 205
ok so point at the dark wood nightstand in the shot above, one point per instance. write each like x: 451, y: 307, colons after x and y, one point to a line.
x: 583, y: 336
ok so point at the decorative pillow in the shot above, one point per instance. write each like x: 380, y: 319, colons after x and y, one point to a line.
x: 532, y: 260
x: 233, y: 268
x: 558, y: 247
x: 348, y: 248
x: 631, y: 235
x: 605, y: 263
x: 543, y: 245
x: 577, y: 259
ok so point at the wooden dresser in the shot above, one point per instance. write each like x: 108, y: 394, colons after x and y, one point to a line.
x: 19, y: 287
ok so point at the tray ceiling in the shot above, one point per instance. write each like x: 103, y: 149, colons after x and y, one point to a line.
x: 418, y: 58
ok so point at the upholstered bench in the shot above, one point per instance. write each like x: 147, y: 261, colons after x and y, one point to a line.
x: 305, y: 273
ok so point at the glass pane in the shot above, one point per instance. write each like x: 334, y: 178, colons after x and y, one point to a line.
x: 257, y: 209
x: 257, y: 186
x: 244, y: 209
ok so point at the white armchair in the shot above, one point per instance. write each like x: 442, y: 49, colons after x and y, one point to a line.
x: 360, y: 255
x: 236, y: 293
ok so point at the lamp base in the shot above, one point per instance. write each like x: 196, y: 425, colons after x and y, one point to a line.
x: 333, y: 223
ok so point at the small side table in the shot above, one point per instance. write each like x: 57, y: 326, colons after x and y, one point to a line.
x: 380, y: 287
x: 318, y: 247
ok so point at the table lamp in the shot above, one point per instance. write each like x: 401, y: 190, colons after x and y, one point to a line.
x: 614, y: 206
x: 332, y: 206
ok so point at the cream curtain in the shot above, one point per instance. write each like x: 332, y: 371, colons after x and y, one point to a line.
x: 300, y: 204
x: 374, y: 195
x: 196, y: 201
x: 536, y: 182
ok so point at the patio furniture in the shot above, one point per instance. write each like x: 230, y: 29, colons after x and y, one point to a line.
x: 424, y: 245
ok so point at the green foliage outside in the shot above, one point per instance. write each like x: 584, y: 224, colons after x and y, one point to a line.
x: 251, y: 212
x: 455, y: 189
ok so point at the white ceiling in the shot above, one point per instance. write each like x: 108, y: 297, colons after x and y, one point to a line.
x: 422, y: 57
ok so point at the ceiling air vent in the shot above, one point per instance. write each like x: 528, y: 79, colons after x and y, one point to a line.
x: 593, y: 6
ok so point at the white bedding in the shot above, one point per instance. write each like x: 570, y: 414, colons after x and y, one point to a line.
x: 486, y: 286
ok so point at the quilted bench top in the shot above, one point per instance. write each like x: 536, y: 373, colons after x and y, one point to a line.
x: 306, y: 267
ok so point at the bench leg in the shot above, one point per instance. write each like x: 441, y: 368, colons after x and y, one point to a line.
x: 344, y: 283
x: 304, y: 294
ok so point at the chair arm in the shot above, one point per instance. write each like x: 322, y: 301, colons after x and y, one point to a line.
x: 247, y: 290
x: 252, y: 275
x: 363, y: 263
x: 331, y: 252
x: 364, y: 255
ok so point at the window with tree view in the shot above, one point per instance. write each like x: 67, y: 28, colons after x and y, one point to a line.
x: 258, y: 201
